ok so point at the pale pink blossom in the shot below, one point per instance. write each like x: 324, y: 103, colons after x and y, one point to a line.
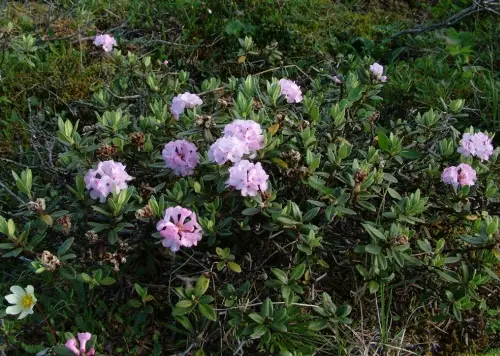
x: 459, y: 176
x: 478, y: 145
x: 337, y: 79
x: 227, y: 149
x: 181, y: 156
x: 83, y: 338
x: 377, y: 70
x: 466, y: 175
x: 183, y: 101
x: 290, y: 90
x: 165, y: 63
x: 105, y: 41
x: 247, y: 131
x: 179, y: 227
x: 248, y: 177
x: 108, y: 177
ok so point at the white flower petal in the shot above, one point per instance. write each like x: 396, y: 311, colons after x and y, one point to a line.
x: 17, y: 290
x: 23, y: 314
x: 14, y: 309
x: 13, y: 298
x: 30, y: 289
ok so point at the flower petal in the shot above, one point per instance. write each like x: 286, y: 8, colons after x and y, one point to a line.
x: 17, y: 290
x: 23, y: 314
x: 30, y: 289
x: 13, y: 298
x: 14, y: 309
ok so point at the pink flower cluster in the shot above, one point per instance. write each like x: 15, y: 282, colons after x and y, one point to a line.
x: 105, y: 41
x: 462, y: 175
x: 108, y: 177
x: 183, y: 101
x: 241, y: 137
x: 83, y: 338
x: 179, y: 227
x: 181, y: 156
x: 377, y: 70
x: 227, y: 149
x: 290, y: 90
x: 248, y: 177
x: 478, y: 145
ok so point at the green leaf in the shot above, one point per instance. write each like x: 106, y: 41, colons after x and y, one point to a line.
x: 376, y: 234
x: 85, y: 277
x: 280, y: 275
x: 233, y: 266
x: 287, y: 221
x: 298, y: 271
x: 134, y: 303
x: 201, y: 286
x: 411, y: 154
x: 309, y: 215
x: 424, y: 245
x: 394, y: 194
x: 373, y: 249
x: 259, y: 319
x: 65, y: 246
x: 67, y: 271
x: 250, y: 211
x: 355, y: 94
x: 207, y: 311
x: 185, y: 303
x: 448, y: 276
x: 318, y: 325
x: 383, y: 140
x: 107, y: 281
x: 267, y: 308
x: 373, y: 286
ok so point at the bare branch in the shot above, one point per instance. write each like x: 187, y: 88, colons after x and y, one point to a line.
x: 476, y: 7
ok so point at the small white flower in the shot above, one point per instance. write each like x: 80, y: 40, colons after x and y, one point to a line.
x: 23, y: 299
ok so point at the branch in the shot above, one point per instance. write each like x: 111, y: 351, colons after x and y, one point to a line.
x: 11, y: 193
x: 478, y: 6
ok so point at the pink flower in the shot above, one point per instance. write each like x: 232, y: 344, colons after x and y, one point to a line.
x: 377, y: 70
x: 108, y: 177
x: 337, y: 80
x: 165, y: 63
x: 462, y: 175
x: 290, y: 90
x: 227, y: 149
x: 466, y: 175
x: 248, y: 177
x: 71, y: 345
x: 106, y: 41
x: 450, y: 176
x: 478, y: 145
x: 83, y: 338
x: 182, y: 101
x: 247, y: 131
x: 181, y: 156
x: 179, y: 227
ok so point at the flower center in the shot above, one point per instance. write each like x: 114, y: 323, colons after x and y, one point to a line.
x: 27, y: 301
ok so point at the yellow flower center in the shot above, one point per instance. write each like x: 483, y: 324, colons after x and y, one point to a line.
x: 27, y: 301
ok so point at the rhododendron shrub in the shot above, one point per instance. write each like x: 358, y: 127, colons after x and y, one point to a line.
x: 249, y: 222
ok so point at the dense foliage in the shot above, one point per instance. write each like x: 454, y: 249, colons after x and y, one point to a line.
x: 214, y: 178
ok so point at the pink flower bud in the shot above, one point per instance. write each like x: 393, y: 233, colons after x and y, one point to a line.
x: 71, y: 345
x: 83, y: 338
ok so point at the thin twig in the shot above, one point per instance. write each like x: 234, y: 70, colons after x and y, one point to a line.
x: 11, y: 193
x: 478, y: 6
